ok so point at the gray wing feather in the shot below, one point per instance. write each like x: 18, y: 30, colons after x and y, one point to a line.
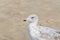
x: 57, y: 32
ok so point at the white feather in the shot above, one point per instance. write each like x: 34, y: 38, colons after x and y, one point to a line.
x: 40, y: 32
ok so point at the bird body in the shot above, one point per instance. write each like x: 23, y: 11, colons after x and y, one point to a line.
x: 33, y: 32
x: 40, y: 32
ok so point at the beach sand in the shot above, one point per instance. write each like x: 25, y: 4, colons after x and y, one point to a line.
x: 13, y: 12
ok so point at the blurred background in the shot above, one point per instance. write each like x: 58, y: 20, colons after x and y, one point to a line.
x: 13, y: 12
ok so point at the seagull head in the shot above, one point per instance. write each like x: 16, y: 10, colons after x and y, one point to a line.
x: 32, y: 18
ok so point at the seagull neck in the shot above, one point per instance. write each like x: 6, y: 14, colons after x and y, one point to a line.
x: 33, y: 24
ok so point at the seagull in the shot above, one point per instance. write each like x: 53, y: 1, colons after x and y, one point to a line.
x: 37, y: 32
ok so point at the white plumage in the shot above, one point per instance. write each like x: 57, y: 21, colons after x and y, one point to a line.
x: 40, y: 32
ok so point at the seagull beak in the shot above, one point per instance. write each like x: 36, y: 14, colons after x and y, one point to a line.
x: 25, y: 20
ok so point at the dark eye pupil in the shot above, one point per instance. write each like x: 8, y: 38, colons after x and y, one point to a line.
x: 32, y: 17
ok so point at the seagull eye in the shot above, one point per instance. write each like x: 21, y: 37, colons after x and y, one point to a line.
x: 32, y: 17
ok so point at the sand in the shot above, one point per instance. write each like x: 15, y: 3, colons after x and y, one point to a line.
x: 13, y: 12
